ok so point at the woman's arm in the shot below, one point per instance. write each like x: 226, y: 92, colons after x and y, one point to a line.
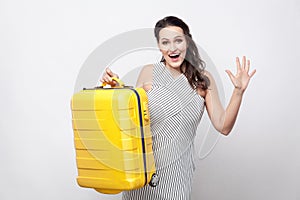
x: 107, y: 77
x: 145, y: 78
x: 224, y: 119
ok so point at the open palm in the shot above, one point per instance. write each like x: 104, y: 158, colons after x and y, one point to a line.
x: 242, y: 77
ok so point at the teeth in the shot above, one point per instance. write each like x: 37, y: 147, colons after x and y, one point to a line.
x: 174, y: 55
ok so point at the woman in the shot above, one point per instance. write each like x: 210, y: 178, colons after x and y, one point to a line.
x: 179, y: 89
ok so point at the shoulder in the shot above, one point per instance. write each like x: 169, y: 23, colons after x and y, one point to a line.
x: 147, y: 68
x: 211, y: 85
x: 145, y: 77
x: 146, y: 72
x: 208, y: 75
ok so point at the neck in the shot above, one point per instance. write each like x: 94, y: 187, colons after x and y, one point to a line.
x: 177, y: 69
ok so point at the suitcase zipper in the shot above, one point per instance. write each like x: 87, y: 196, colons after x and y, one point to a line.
x: 142, y: 133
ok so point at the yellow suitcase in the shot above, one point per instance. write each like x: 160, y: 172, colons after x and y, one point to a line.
x: 112, y: 138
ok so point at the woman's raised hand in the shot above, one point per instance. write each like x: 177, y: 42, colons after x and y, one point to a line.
x: 242, y: 77
x: 107, y: 77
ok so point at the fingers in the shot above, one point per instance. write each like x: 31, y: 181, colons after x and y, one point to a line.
x: 244, y: 66
x: 247, y: 67
x: 242, y: 77
x: 238, y: 64
x: 252, y: 73
x: 109, y: 72
x: 231, y: 76
x: 107, y: 77
x: 244, y: 62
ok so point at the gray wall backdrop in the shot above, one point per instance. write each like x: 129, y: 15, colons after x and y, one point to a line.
x: 43, y: 45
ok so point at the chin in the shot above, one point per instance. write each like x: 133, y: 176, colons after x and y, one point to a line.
x: 175, y: 65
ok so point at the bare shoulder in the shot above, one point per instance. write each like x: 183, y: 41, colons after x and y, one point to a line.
x: 202, y: 92
x: 145, y: 77
x: 147, y: 69
x: 212, y: 83
x: 209, y: 75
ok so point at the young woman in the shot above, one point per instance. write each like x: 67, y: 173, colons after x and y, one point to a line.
x: 179, y: 90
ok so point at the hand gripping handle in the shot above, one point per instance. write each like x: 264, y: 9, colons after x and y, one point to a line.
x: 119, y: 85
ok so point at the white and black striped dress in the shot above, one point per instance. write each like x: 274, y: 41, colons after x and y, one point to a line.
x: 175, y: 112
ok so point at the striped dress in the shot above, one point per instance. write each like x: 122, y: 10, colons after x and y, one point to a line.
x: 175, y: 110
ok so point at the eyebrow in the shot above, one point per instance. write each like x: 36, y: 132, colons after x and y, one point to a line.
x: 178, y: 36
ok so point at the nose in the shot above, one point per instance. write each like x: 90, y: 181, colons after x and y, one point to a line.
x: 172, y: 46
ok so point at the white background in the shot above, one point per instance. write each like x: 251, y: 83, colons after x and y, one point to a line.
x: 43, y: 45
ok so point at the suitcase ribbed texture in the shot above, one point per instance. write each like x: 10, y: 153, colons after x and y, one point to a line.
x: 112, y: 139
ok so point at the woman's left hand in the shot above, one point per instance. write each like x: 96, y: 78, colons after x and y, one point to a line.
x: 242, y: 77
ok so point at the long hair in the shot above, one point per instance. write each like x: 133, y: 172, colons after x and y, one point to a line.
x: 192, y: 66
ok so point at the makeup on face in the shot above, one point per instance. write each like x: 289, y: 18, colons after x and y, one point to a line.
x: 172, y: 43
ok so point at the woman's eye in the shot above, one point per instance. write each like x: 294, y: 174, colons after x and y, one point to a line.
x: 178, y: 41
x: 165, y: 42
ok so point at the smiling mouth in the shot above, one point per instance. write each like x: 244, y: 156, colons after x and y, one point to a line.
x: 174, y: 55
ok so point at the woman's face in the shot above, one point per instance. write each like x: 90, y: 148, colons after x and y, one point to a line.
x: 172, y: 43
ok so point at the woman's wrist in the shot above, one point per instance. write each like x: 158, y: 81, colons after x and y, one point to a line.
x: 238, y: 91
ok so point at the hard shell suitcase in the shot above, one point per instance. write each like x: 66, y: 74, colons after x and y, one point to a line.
x: 112, y: 138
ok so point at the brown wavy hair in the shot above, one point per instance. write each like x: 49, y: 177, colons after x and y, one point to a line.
x: 193, y: 66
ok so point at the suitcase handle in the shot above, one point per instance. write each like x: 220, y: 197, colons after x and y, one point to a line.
x: 119, y: 85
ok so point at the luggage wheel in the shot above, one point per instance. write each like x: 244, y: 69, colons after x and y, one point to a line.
x: 154, y: 180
